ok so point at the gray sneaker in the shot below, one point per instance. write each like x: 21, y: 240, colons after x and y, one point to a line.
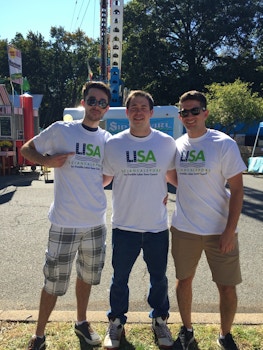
x: 227, y: 343
x: 86, y: 333
x: 186, y: 338
x: 162, y: 333
x: 114, y: 334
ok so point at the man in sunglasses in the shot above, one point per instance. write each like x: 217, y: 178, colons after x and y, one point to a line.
x: 138, y: 159
x: 206, y: 214
x: 75, y: 150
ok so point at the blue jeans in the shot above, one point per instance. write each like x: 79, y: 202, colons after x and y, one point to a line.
x: 126, y: 247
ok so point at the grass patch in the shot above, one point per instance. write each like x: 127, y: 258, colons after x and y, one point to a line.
x: 61, y: 336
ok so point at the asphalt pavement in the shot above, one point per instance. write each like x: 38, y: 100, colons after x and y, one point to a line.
x: 25, y: 199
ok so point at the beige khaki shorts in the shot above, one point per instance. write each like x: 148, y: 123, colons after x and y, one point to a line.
x: 187, y: 249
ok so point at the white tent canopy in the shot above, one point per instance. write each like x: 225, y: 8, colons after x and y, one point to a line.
x: 255, y: 164
x: 256, y: 139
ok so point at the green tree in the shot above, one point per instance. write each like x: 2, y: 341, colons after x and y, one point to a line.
x: 168, y: 48
x: 4, y: 68
x: 230, y: 104
x: 57, y: 68
x: 146, y: 57
x: 178, y: 44
x: 68, y: 55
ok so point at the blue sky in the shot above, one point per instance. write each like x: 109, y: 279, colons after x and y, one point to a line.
x: 38, y: 16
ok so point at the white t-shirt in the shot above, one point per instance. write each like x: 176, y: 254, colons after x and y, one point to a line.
x: 203, y: 165
x: 79, y: 198
x: 139, y: 167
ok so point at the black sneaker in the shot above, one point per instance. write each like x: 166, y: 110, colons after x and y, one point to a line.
x: 37, y: 343
x: 186, y: 338
x: 227, y: 343
x: 85, y: 332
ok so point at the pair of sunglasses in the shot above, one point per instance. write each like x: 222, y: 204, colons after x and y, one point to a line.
x: 194, y: 111
x: 93, y: 102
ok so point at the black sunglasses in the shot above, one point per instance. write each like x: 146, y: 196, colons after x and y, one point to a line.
x: 93, y: 102
x: 194, y: 111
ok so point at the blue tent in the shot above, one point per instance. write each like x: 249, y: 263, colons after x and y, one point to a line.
x: 37, y: 99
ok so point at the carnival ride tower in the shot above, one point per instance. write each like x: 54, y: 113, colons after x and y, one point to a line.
x: 103, y: 40
x: 111, y: 63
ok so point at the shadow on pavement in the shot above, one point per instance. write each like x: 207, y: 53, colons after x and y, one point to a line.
x: 9, y: 183
x: 21, y: 179
x: 254, y: 207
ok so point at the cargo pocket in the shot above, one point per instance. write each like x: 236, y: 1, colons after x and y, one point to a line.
x: 51, y: 268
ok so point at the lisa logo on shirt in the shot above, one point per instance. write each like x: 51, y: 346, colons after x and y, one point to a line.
x: 88, y: 150
x: 140, y: 156
x: 192, y: 156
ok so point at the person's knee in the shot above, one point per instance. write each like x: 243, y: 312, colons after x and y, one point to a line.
x: 184, y: 283
x: 227, y: 290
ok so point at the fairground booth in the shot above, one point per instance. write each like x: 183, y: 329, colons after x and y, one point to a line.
x: 19, y: 122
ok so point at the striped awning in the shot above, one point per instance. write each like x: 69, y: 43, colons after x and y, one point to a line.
x: 4, y: 98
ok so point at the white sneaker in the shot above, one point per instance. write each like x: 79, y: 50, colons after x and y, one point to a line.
x: 114, y: 333
x: 162, y: 333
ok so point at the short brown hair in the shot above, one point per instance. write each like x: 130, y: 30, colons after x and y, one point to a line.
x: 96, y: 85
x: 141, y: 93
x: 193, y: 95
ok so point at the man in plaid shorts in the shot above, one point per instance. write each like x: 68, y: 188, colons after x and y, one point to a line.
x: 75, y: 150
